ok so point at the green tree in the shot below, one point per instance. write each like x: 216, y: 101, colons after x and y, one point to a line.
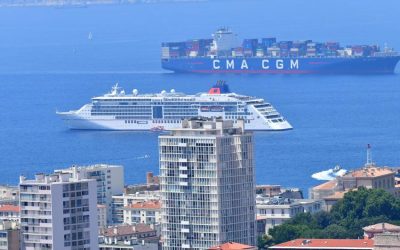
x: 286, y: 232
x: 263, y: 242
x: 346, y: 219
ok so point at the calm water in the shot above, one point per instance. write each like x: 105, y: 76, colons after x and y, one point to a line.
x: 48, y: 64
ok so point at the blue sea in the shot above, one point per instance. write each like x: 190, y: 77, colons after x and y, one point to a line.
x: 47, y: 63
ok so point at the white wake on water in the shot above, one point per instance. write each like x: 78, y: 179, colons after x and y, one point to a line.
x: 329, y: 174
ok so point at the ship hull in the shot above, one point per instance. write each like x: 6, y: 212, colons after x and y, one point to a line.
x: 258, y: 65
x: 77, y: 122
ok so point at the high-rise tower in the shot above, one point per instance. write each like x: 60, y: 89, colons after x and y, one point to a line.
x: 207, y: 185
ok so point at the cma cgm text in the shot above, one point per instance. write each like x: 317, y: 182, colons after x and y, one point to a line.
x: 265, y: 64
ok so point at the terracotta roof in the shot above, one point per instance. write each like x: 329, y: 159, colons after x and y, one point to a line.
x: 326, y: 244
x: 231, y: 246
x: 152, y: 204
x: 126, y: 230
x: 381, y: 227
x: 9, y: 208
x: 327, y: 185
x: 369, y: 172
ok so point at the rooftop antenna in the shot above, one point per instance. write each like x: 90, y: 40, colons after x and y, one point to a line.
x: 369, y: 156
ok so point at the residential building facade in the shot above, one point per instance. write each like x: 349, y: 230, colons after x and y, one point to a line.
x: 9, y: 212
x: 102, y: 215
x: 276, y: 210
x: 369, y: 176
x: 58, y: 212
x: 146, y: 212
x: 207, y: 185
x: 109, y: 178
x: 9, y: 235
x: 119, y: 202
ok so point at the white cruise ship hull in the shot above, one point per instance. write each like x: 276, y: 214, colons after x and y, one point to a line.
x: 74, y: 121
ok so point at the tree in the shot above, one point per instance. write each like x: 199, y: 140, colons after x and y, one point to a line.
x: 346, y: 219
x: 286, y: 232
x: 323, y: 219
x: 263, y: 242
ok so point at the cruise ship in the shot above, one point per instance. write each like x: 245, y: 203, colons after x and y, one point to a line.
x: 165, y: 110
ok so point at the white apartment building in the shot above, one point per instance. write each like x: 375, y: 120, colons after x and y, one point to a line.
x: 102, y: 215
x: 58, y: 212
x: 110, y: 181
x: 207, y: 185
x: 276, y: 210
x: 146, y: 212
x: 9, y: 212
x: 124, y: 200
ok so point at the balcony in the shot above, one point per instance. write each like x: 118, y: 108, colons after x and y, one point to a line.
x: 184, y: 222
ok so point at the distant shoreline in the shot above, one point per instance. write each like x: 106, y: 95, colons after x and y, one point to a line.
x: 84, y: 4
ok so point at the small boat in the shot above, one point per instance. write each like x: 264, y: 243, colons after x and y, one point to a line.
x: 337, y: 168
x: 157, y: 129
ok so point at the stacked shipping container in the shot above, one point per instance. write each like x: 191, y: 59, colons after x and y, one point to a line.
x: 267, y: 47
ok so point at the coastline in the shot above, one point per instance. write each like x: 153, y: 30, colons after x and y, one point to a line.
x: 84, y: 4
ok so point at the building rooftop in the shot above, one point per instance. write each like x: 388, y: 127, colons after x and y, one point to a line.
x: 9, y: 208
x: 125, y: 230
x: 152, y: 204
x: 326, y: 185
x: 57, y: 177
x: 382, y: 227
x: 232, y: 246
x: 89, y: 167
x: 326, y: 244
x: 336, y: 196
x: 370, y: 172
x: 201, y: 126
x: 278, y: 200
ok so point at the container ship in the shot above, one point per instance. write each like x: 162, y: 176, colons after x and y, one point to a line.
x: 224, y: 53
x: 117, y: 110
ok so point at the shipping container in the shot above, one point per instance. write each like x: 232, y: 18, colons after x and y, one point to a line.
x: 268, y: 42
x: 274, y: 51
x: 260, y: 52
x: 250, y: 44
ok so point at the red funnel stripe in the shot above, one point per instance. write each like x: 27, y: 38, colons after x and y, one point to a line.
x: 214, y: 91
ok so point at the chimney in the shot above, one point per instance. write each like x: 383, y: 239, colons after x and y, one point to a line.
x: 149, y: 178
